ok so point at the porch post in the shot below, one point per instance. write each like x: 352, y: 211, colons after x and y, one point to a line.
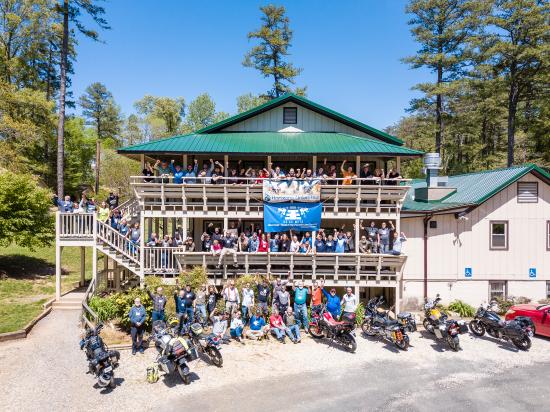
x: 141, y: 271
x: 314, y: 164
x: 94, y: 268
x: 357, y: 230
x: 358, y: 165
x: 226, y: 165
x: 398, y: 163
x: 82, y: 265
x: 58, y: 250
x: 269, y: 165
x: 142, y: 160
x: 185, y: 161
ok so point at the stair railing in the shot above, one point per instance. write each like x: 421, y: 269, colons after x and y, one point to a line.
x: 118, y: 242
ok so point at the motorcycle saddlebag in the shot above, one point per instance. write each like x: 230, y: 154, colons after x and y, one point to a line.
x: 513, y: 329
x: 525, y: 321
x: 179, y: 346
x: 197, y: 329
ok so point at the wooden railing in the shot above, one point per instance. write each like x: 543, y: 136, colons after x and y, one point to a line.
x: 78, y: 226
x: 113, y: 239
x: 365, y: 195
x: 161, y: 260
x: 330, y: 266
x: 89, y: 316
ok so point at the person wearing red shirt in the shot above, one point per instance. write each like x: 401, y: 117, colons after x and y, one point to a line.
x: 278, y: 328
x: 317, y: 296
x: 263, y: 245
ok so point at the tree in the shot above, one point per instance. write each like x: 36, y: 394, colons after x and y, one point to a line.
x: 515, y: 42
x: 249, y: 101
x: 132, y: 133
x: 269, y: 56
x: 202, y: 113
x: 25, y: 217
x: 442, y: 28
x: 80, y: 149
x: 70, y: 11
x: 163, y: 115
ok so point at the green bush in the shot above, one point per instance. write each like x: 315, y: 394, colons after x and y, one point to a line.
x: 105, y: 308
x: 196, y: 277
x: 462, y: 308
x: 360, y: 313
x: 544, y: 301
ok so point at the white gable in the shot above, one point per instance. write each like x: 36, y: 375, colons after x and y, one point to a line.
x: 307, y: 121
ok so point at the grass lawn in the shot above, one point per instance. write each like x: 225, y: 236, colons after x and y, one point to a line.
x: 27, y: 281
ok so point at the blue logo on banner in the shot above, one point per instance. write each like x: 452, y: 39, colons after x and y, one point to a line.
x: 467, y: 272
x: 532, y: 273
x: 292, y: 216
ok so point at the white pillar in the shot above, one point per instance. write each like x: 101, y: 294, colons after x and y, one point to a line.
x: 58, y: 250
x: 141, y: 252
x: 398, y: 164
x: 358, y: 165
x: 82, y: 265
x: 94, y: 268
x: 357, y: 230
x: 185, y: 161
x: 142, y: 160
x: 269, y: 165
x: 226, y: 165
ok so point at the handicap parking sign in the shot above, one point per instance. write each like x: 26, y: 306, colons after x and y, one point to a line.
x: 467, y: 272
x: 532, y: 273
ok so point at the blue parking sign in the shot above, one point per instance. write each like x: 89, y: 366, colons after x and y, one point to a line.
x: 467, y: 272
x: 532, y: 273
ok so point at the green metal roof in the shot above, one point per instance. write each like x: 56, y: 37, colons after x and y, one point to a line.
x: 271, y: 143
x: 290, y: 97
x: 472, y: 189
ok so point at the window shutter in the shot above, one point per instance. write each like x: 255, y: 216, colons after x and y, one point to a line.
x: 290, y: 115
x: 528, y: 192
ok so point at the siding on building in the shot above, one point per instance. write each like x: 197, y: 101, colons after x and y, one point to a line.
x: 308, y: 121
x: 457, y: 244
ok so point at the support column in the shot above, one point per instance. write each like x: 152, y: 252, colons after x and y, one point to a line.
x: 226, y: 165
x: 116, y: 277
x: 149, y: 226
x: 164, y: 226
x: 142, y: 160
x: 141, y: 271
x: 398, y: 164
x: 174, y: 227
x: 357, y: 230
x: 58, y: 250
x: 94, y: 268
x: 155, y: 225
x: 357, y: 292
x: 184, y: 228
x: 82, y: 265
x: 184, y: 162
x: 398, y: 294
x: 269, y: 161
x: 314, y: 164
x: 225, y: 224
x: 358, y: 165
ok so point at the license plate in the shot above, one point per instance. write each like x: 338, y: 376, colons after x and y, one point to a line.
x: 108, y: 369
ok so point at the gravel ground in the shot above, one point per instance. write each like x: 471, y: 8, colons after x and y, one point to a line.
x: 47, y: 371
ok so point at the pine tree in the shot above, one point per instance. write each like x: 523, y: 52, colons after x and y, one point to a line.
x: 269, y: 56
x: 202, y: 113
x: 70, y: 10
x: 249, y: 101
x: 162, y: 115
x: 516, y: 44
x: 442, y: 28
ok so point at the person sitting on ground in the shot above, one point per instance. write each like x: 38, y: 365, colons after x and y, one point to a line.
x: 219, y: 323
x: 277, y: 326
x: 292, y: 325
x: 137, y: 316
x: 398, y: 243
x: 236, y: 328
x: 258, y: 328
x: 333, y: 303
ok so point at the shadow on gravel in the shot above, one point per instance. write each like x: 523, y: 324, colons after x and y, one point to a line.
x: 509, y: 346
x: 330, y: 343
x: 108, y: 389
x: 436, y: 344
x: 173, y: 379
x: 387, y: 345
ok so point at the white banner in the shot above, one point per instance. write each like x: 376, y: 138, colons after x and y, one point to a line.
x: 287, y: 190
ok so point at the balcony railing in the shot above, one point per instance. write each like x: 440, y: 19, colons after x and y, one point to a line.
x: 333, y: 267
x: 75, y: 226
x: 364, y: 196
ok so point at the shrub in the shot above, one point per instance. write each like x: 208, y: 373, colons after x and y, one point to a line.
x: 504, y: 305
x: 105, y: 308
x: 196, y: 277
x: 544, y: 301
x: 462, y: 308
x: 521, y: 300
x: 359, y: 313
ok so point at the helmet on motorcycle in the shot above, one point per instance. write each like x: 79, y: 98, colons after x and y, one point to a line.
x: 173, y: 322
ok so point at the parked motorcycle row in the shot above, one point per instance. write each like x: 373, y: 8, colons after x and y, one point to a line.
x: 177, y: 350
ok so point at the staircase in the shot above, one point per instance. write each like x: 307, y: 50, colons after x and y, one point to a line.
x: 70, y: 301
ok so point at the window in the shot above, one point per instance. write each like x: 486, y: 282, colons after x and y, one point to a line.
x: 548, y: 235
x: 290, y: 115
x: 548, y: 289
x: 528, y: 192
x: 433, y: 224
x: 497, y: 290
x: 498, y: 235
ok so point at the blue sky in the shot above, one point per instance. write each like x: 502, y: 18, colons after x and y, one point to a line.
x: 350, y: 53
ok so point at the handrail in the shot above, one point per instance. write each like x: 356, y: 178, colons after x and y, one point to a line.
x: 79, y: 225
x: 118, y: 242
x: 86, y: 309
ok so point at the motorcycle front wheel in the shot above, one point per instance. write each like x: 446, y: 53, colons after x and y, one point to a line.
x: 403, y: 344
x: 428, y: 326
x: 184, y: 376
x: 366, y: 327
x: 523, y: 343
x: 215, y: 356
x: 316, y: 331
x: 477, y: 328
x: 454, y: 342
x: 349, y: 342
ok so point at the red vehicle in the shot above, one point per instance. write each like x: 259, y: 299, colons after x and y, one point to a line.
x: 539, y: 314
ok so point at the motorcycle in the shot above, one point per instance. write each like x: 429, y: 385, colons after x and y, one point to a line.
x: 101, y: 360
x: 174, y: 352
x: 378, y: 323
x: 209, y: 344
x: 323, y: 325
x: 519, y: 331
x: 438, y: 323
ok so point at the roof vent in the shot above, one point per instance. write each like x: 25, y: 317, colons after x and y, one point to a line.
x: 432, y: 164
x: 436, y: 186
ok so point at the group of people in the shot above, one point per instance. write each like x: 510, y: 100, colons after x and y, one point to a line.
x: 88, y: 205
x: 277, y: 307
x: 214, y: 172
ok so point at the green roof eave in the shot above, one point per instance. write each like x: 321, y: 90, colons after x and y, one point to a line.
x: 308, y: 104
x: 265, y: 143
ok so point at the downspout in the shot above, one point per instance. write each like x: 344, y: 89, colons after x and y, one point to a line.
x: 426, y: 220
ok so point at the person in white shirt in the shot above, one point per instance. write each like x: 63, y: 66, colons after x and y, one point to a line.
x: 247, y: 302
x: 349, y: 302
x: 232, y: 298
x: 236, y: 327
x: 294, y: 245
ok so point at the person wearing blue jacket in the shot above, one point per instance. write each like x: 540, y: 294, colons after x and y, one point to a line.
x: 191, y: 173
x: 333, y: 303
x: 64, y: 205
x: 178, y: 172
x: 137, y: 317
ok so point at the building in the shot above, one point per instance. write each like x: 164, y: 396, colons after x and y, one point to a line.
x: 294, y: 132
